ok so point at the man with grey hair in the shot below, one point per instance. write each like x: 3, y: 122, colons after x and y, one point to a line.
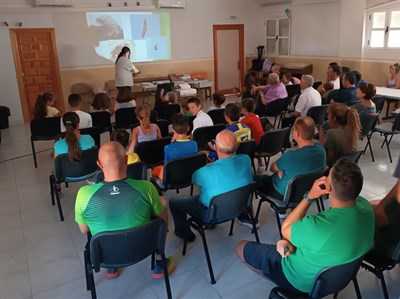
x: 308, y: 98
x: 229, y: 172
x: 275, y: 89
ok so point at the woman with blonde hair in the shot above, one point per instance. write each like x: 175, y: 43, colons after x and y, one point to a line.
x: 146, y: 131
x: 344, y: 131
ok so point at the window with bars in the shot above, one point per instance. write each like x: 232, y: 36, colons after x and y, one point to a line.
x: 384, y: 28
x: 277, y: 36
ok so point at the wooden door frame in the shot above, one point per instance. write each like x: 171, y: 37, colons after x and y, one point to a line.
x: 18, y: 63
x: 240, y: 28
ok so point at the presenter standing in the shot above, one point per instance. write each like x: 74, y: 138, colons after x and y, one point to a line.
x: 124, y: 69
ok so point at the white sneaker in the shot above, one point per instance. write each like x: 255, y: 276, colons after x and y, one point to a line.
x: 281, y: 215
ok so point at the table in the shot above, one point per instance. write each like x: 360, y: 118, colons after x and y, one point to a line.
x: 391, y: 95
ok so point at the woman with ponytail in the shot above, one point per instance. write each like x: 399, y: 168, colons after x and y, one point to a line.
x: 74, y: 142
x: 344, y: 131
x: 124, y: 69
x: 44, y: 106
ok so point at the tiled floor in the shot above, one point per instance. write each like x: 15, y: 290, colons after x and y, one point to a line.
x: 41, y: 257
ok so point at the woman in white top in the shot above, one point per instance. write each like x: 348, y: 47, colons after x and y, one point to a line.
x: 124, y: 69
x: 146, y: 131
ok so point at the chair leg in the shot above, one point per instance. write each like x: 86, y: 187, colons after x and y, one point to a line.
x: 383, y: 283
x: 166, y: 276
x: 318, y: 205
x: 357, y: 288
x: 231, y: 229
x: 184, y: 247
x: 34, y: 153
x: 191, y: 190
x: 259, y: 208
x: 210, y: 269
x: 388, y: 148
x: 370, y: 147
x: 278, y: 221
x: 59, y: 206
x: 250, y: 212
x: 153, y: 257
x: 86, y: 261
x: 90, y: 285
x: 322, y: 204
x: 53, y: 188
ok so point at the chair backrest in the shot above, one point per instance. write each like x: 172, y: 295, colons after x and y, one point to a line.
x: 396, y: 123
x: 217, y: 116
x: 205, y: 134
x: 229, y: 205
x: 177, y: 173
x: 316, y: 84
x: 137, y: 171
x: 101, y: 120
x: 46, y: 128
x: 94, y: 132
x: 247, y: 148
x: 264, y: 122
x: 191, y: 119
x: 292, y: 90
x: 272, y: 142
x: 299, y: 185
x: 331, y: 280
x: 164, y: 87
x: 379, y: 103
x: 125, y: 118
x: 67, y: 170
x: 318, y: 113
x: 354, y: 156
x: 166, y: 111
x: 164, y: 127
x: 276, y: 107
x: 152, y: 152
x: 127, y: 247
x: 368, y: 124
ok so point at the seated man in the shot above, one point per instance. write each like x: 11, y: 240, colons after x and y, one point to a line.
x: 347, y: 94
x: 311, y: 243
x: 118, y: 202
x: 332, y: 78
x: 230, y: 172
x: 308, y: 98
x: 387, y: 219
x: 308, y: 158
x: 202, y: 119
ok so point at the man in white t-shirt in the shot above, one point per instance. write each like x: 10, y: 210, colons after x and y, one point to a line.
x: 202, y: 119
x: 308, y: 98
x: 85, y: 119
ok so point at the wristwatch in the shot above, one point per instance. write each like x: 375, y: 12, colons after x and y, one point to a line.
x: 306, y: 197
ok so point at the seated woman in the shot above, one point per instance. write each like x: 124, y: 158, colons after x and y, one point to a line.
x: 365, y: 93
x: 393, y: 80
x: 146, y: 131
x: 44, y: 106
x: 101, y: 102
x: 74, y: 142
x: 124, y: 99
x: 343, y: 134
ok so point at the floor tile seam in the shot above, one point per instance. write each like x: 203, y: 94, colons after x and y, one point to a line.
x: 41, y: 292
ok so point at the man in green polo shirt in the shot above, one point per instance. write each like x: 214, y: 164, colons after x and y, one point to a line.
x: 311, y: 243
x: 118, y: 203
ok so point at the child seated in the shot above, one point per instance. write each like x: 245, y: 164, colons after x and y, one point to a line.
x: 44, y: 106
x: 181, y: 146
x: 218, y: 100
x: 124, y: 98
x: 122, y: 136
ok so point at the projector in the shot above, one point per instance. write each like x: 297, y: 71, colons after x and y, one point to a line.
x: 201, y: 83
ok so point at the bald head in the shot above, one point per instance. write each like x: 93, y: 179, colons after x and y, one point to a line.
x: 305, y: 126
x: 226, y: 143
x: 273, y: 78
x: 112, y: 160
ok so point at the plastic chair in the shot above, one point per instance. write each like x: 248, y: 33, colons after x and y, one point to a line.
x: 330, y: 280
x: 44, y: 129
x: 218, y: 116
x: 293, y: 90
x: 277, y: 109
x: 273, y: 142
x: 137, y: 171
x: 264, y: 122
x: 67, y: 171
x: 379, y: 104
x: 164, y: 127
x: 295, y: 190
x: 94, y: 132
x: 377, y: 263
x: 317, y: 84
x: 164, y: 87
x: 152, y: 152
x: 248, y: 148
x: 368, y: 124
x: 388, y: 129
x: 125, y: 118
x: 223, y: 208
x: 102, y: 120
x: 167, y: 111
x: 177, y: 173
x: 205, y: 134
x: 124, y: 248
x: 318, y: 114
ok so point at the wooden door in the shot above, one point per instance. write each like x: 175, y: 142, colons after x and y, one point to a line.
x: 228, y: 57
x: 36, y: 64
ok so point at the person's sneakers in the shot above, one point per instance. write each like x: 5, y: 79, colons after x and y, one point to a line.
x: 158, y: 268
x: 245, y: 220
x: 111, y: 273
x: 281, y: 215
x: 189, y: 237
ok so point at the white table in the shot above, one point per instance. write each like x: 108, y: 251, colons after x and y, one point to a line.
x: 392, y: 95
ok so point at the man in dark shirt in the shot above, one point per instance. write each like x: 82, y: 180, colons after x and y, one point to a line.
x: 347, y: 94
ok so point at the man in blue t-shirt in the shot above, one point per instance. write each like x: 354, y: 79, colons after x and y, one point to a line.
x: 231, y: 171
x: 308, y: 158
x: 348, y: 93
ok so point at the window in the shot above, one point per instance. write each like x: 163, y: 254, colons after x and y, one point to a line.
x: 384, y: 28
x: 277, y: 36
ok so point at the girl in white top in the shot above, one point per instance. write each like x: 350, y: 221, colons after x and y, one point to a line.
x: 124, y: 69
x: 146, y: 131
x: 394, y: 76
x: 44, y: 106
